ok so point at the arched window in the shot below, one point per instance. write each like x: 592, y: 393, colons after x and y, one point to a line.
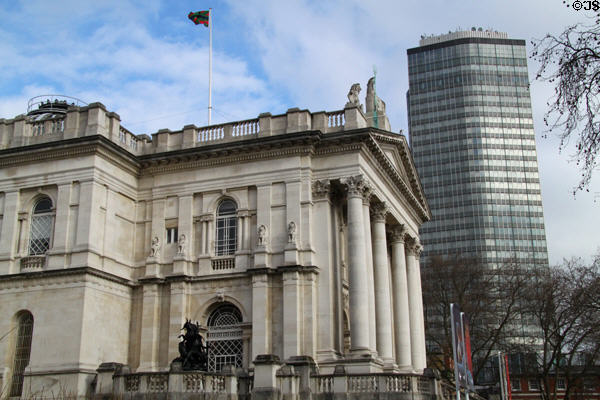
x: 226, y: 243
x: 41, y: 227
x: 22, y: 352
x: 224, y: 338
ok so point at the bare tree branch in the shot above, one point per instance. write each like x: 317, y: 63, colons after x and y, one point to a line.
x: 571, y: 61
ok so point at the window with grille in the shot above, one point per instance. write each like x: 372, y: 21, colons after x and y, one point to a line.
x: 224, y: 338
x: 534, y: 384
x: 41, y: 227
x: 226, y: 243
x: 22, y: 352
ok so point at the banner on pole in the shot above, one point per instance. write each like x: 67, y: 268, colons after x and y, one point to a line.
x: 467, y: 342
x: 458, y: 348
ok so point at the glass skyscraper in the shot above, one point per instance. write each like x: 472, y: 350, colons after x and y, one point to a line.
x: 471, y: 132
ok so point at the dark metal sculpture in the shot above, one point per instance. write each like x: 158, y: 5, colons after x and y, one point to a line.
x: 193, y: 354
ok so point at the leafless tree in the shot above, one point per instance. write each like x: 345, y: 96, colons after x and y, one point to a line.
x: 571, y: 62
x: 491, y: 298
x: 563, y: 303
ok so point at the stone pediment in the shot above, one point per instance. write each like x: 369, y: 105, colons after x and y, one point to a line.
x: 397, y: 152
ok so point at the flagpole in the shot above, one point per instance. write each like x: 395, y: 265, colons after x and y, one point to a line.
x: 209, y: 63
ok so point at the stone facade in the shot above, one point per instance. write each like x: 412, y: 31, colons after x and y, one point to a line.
x: 288, y: 237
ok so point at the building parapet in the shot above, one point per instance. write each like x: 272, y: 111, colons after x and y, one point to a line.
x: 94, y: 119
x: 473, y: 33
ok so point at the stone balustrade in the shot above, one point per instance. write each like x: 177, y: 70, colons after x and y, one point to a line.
x: 115, y: 381
x: 33, y: 263
x: 95, y: 119
x: 376, y: 385
x: 271, y: 380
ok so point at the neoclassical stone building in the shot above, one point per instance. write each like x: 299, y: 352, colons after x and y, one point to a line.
x: 289, y: 238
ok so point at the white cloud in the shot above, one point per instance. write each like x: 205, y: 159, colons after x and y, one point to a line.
x: 140, y: 61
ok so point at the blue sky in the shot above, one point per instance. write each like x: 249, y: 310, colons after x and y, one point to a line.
x: 146, y: 61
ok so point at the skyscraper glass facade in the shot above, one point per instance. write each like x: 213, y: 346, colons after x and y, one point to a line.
x: 471, y: 132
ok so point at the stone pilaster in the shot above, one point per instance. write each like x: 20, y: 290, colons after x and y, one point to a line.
x: 10, y: 225
x: 324, y: 250
x: 262, y: 252
x: 415, y: 303
x: 291, y: 314
x: 383, y: 310
x: 357, y: 270
x: 400, y: 298
x: 149, y: 346
x: 177, y: 315
x: 206, y: 221
x: 261, y: 315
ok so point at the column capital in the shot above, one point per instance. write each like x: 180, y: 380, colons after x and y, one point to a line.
x: 368, y: 192
x: 379, y: 211
x: 357, y: 186
x: 415, y: 248
x: 321, y: 190
x: 397, y: 233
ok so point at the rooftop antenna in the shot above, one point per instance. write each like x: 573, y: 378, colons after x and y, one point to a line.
x: 375, y: 119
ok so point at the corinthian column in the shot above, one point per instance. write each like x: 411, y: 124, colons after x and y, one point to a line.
x: 369, y: 261
x: 415, y: 304
x: 357, y: 268
x: 383, y: 310
x: 400, y: 290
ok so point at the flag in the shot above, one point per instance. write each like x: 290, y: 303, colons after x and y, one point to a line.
x: 200, y: 17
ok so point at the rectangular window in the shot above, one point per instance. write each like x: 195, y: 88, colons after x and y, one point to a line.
x: 172, y: 235
x: 515, y: 385
x: 226, y: 236
x: 560, y: 384
x: 534, y: 385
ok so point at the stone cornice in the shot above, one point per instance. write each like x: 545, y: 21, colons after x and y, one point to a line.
x: 48, y: 277
x: 261, y: 148
x: 231, y: 152
x: 69, y: 148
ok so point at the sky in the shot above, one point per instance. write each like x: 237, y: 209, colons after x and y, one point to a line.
x: 147, y: 62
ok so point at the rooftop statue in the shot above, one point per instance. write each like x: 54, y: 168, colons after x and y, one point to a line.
x: 353, y: 99
x: 373, y: 101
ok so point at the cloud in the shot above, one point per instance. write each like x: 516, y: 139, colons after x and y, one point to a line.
x: 143, y: 60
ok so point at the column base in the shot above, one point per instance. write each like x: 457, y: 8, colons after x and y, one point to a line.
x: 364, y: 363
x: 405, y: 369
x: 390, y: 366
